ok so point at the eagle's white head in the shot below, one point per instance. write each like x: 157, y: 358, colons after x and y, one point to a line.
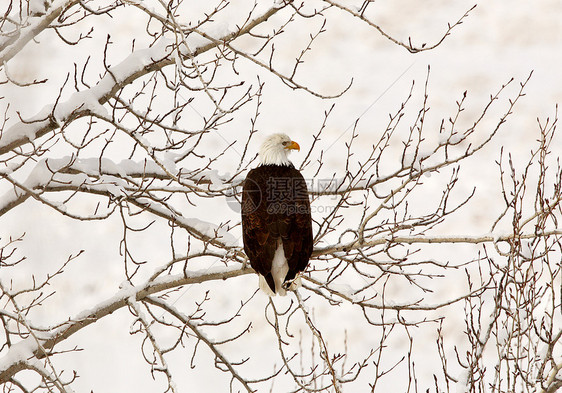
x: 276, y: 148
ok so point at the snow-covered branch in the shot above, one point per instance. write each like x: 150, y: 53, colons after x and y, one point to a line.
x: 46, y: 339
x: 90, y: 101
x: 38, y: 20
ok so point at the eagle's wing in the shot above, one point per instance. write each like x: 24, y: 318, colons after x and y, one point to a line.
x: 259, y: 244
x: 299, y: 243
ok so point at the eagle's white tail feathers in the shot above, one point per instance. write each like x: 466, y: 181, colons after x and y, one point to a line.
x: 264, y: 287
x: 279, y: 269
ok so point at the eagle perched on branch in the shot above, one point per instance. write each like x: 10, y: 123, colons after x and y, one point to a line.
x: 276, y: 220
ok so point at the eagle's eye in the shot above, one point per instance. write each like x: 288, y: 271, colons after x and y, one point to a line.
x: 285, y: 143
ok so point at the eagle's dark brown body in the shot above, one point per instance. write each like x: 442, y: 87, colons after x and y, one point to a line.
x: 275, y: 207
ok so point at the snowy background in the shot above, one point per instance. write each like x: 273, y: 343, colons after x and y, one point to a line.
x: 500, y: 40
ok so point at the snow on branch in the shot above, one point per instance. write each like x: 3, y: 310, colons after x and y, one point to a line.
x: 16, y: 358
x: 31, y: 28
x: 91, y: 101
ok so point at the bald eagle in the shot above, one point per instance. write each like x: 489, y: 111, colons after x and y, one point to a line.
x: 276, y: 220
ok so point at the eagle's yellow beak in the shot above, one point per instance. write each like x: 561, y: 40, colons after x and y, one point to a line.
x: 293, y: 146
